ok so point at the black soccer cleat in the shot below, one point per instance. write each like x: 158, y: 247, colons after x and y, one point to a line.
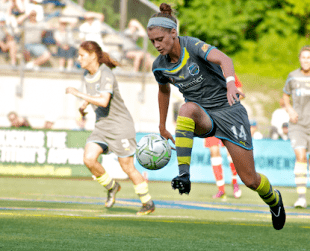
x: 278, y: 214
x: 182, y: 183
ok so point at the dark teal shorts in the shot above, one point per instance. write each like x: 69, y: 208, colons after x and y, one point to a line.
x: 230, y: 123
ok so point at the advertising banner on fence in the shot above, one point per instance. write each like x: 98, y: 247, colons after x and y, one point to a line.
x: 59, y: 153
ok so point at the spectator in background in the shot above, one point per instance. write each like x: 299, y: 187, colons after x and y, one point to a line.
x: 132, y: 51
x: 278, y: 118
x: 254, y: 130
x: 297, y: 87
x: 7, y: 42
x: 34, y: 31
x: 65, y: 43
x: 17, y: 121
x: 17, y: 7
x: 285, y: 131
x: 91, y: 30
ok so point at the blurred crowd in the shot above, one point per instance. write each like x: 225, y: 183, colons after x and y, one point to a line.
x: 43, y: 33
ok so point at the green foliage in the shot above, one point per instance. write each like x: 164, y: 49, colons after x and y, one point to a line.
x: 105, y: 7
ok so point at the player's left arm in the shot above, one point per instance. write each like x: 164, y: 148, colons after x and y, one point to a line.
x: 102, y: 99
x: 217, y: 57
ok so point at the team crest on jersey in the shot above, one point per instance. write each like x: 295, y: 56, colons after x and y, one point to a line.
x: 205, y: 47
x: 193, y: 69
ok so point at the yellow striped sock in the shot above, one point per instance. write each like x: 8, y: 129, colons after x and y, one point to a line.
x: 266, y: 192
x: 300, y: 172
x: 142, y: 190
x: 106, y: 181
x: 184, y: 139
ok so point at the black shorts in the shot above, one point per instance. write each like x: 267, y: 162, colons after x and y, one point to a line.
x: 230, y: 123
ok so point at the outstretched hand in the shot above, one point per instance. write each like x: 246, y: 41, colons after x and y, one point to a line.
x: 232, y: 92
x: 72, y: 90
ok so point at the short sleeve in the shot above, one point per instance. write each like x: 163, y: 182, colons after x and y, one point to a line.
x: 199, y: 48
x: 287, y: 87
x: 160, y: 78
x: 107, y: 81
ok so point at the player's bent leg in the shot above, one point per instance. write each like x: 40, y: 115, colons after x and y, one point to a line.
x: 91, y: 154
x: 189, y: 120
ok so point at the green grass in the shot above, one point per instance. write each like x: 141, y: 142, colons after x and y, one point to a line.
x: 67, y: 214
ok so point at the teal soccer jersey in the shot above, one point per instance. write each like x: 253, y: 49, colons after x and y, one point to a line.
x: 196, y: 78
x: 203, y: 82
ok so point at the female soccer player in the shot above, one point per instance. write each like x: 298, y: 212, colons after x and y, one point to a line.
x: 212, y: 106
x: 114, y: 129
x: 297, y: 86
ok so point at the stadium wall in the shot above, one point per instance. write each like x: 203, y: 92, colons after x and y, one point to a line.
x: 59, y: 153
x: 44, y: 99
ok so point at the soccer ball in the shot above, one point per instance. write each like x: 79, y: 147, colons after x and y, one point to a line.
x: 153, y: 152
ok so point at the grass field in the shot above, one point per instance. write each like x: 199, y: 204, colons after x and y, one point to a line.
x: 68, y: 214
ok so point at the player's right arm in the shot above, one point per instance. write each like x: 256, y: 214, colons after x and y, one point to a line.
x: 163, y: 103
x: 290, y: 110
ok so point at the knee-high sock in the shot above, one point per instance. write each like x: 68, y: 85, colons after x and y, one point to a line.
x: 233, y: 170
x: 142, y: 190
x: 300, y: 172
x: 184, y: 142
x: 266, y: 192
x: 106, y: 181
x: 216, y: 163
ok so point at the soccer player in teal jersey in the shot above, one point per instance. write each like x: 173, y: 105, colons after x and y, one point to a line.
x: 212, y: 106
x: 297, y: 86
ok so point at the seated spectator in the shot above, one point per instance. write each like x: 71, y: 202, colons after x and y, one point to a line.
x: 91, y: 30
x: 17, y: 7
x: 17, y: 121
x: 254, y: 130
x: 132, y: 50
x: 35, y: 5
x: 278, y: 118
x: 65, y: 43
x: 7, y: 42
x: 34, y: 31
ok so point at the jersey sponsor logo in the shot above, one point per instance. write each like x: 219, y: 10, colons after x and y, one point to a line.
x: 205, y: 47
x: 97, y: 87
x: 193, y: 69
x: 192, y: 83
x: 302, y: 92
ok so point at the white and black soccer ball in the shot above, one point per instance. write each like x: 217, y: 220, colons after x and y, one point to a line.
x: 153, y: 152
